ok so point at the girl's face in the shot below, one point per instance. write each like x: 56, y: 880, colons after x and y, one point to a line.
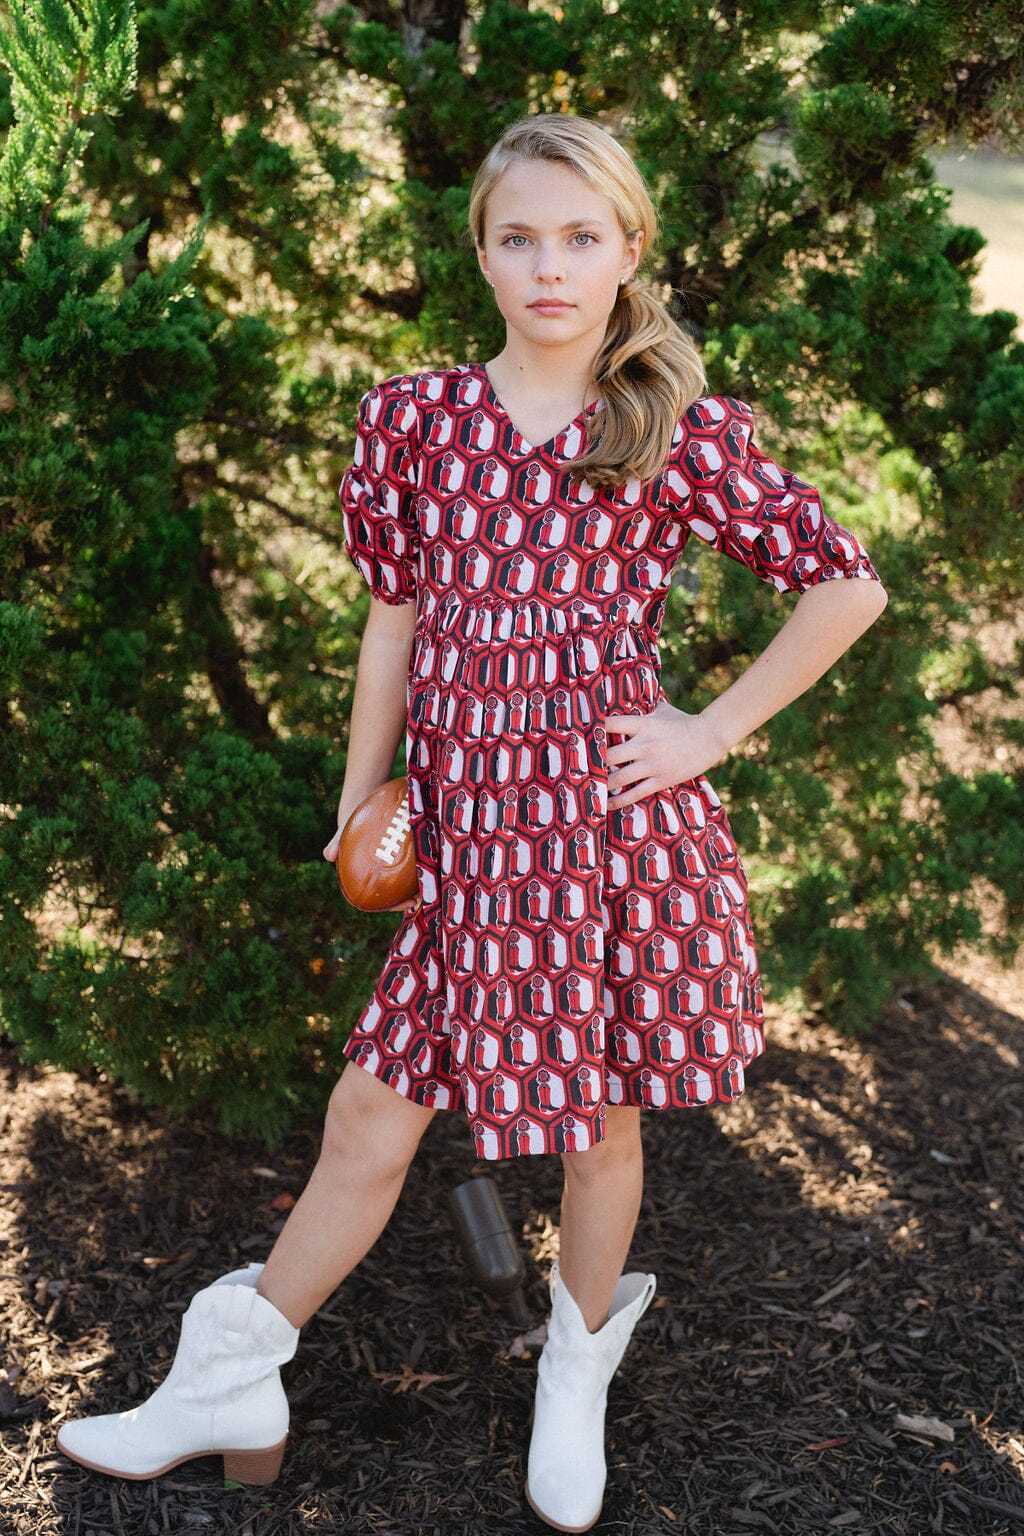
x: 555, y: 252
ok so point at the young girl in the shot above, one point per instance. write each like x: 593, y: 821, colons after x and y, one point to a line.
x: 579, y: 947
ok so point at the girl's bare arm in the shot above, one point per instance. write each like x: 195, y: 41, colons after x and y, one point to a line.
x: 669, y: 746
x: 379, y: 705
x: 826, y: 621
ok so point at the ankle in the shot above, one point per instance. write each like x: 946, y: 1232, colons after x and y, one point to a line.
x: 593, y: 1305
x: 283, y: 1302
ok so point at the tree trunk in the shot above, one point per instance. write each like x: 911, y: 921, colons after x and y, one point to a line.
x: 426, y: 152
x: 223, y: 658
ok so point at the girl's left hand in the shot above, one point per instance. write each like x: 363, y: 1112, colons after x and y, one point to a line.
x: 665, y: 747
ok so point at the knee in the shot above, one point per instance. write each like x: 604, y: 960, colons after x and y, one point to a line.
x: 619, y: 1153
x: 369, y: 1123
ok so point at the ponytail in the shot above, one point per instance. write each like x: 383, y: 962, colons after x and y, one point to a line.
x: 647, y: 374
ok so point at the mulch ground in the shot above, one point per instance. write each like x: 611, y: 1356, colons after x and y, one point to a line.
x: 834, y: 1346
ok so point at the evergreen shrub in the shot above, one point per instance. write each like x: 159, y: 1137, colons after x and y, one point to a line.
x: 218, y: 225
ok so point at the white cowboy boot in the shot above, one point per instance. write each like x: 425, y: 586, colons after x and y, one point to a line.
x: 221, y: 1397
x: 566, y: 1469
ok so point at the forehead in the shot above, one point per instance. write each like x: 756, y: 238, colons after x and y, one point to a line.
x: 542, y: 192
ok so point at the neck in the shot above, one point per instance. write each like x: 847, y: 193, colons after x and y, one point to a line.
x: 565, y: 372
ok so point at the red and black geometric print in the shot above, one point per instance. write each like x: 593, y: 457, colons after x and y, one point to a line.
x: 565, y: 956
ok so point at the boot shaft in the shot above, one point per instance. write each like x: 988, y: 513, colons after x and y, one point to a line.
x: 594, y: 1356
x: 231, y: 1338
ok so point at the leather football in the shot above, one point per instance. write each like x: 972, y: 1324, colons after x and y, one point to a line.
x: 376, y: 859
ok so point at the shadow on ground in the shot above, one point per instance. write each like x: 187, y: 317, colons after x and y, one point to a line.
x: 838, y: 1249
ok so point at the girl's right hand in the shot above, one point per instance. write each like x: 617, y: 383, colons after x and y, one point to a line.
x: 346, y: 805
x: 331, y: 855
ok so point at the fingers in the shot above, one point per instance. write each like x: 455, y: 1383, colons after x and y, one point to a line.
x: 331, y: 851
x: 623, y: 725
x: 632, y: 722
x: 625, y: 773
x: 616, y: 797
x: 618, y: 801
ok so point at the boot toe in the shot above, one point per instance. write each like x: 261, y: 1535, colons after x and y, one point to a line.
x: 98, y: 1443
x: 563, y: 1509
x: 134, y: 1444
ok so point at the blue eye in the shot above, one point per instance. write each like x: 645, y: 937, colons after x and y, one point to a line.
x: 582, y: 234
x: 509, y: 239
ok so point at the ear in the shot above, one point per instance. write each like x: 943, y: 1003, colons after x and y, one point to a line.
x: 481, y: 258
x: 634, y: 250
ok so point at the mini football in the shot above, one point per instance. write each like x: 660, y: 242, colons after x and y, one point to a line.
x: 376, y: 860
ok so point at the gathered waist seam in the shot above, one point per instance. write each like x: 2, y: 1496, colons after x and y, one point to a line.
x: 521, y: 617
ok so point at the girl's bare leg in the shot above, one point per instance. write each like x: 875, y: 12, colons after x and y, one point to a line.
x: 600, y: 1205
x: 566, y: 1464
x: 370, y: 1137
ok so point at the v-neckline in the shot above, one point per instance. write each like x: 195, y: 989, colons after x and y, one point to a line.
x: 545, y: 447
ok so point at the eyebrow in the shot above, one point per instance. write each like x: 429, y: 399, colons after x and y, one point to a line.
x: 572, y: 224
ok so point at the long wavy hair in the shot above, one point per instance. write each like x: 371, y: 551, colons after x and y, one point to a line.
x: 648, y: 371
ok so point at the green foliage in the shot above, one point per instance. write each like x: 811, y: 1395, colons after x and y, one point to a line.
x: 217, y: 226
x: 67, y: 63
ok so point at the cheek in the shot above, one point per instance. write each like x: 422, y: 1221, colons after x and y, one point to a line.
x: 501, y: 287
x: 507, y: 283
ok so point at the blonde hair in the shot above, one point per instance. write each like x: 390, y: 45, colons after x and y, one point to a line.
x: 648, y: 371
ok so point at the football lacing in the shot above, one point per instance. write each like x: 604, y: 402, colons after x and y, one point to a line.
x: 391, y: 843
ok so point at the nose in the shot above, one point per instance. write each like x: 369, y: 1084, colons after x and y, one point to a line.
x: 548, y: 266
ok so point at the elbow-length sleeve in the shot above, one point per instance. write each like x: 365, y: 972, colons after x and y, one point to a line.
x: 741, y: 502
x: 378, y: 491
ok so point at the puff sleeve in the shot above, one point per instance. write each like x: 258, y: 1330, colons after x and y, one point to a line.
x: 742, y: 503
x: 378, y: 490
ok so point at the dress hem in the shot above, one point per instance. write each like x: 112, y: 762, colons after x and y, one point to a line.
x: 415, y: 1094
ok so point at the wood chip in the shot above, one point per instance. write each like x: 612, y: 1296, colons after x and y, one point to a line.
x: 833, y: 1291
x: 917, y: 1424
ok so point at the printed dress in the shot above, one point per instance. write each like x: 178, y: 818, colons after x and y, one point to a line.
x: 565, y: 956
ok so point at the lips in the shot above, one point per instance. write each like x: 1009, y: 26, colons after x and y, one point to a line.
x: 549, y: 304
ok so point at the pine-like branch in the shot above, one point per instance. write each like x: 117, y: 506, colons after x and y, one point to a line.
x: 66, y: 63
